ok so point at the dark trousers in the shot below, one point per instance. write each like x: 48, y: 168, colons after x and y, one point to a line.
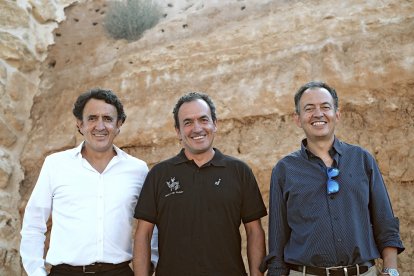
x: 121, y: 271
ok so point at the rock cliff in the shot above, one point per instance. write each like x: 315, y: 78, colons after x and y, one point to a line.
x: 250, y: 56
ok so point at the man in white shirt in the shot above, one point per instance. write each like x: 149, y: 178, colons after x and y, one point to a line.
x: 91, y: 192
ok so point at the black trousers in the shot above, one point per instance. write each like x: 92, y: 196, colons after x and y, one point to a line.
x: 122, y: 271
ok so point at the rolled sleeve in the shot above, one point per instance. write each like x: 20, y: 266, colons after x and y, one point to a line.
x: 388, y: 235
x: 273, y: 266
x: 386, y: 227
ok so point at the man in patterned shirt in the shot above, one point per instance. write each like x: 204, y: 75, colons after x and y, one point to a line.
x: 329, y: 210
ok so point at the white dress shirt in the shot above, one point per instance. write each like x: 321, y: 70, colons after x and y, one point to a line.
x: 92, y: 212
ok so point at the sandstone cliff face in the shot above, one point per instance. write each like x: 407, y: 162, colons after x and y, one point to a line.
x: 250, y: 57
x: 25, y: 33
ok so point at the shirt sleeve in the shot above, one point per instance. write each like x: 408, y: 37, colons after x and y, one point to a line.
x: 253, y: 207
x: 385, y: 225
x: 279, y: 230
x: 34, y: 227
x: 146, y: 206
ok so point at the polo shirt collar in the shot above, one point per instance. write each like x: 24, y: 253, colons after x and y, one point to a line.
x: 217, y: 160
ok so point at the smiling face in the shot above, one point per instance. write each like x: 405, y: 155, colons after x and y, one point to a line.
x: 99, y: 126
x: 196, y: 128
x: 317, y: 115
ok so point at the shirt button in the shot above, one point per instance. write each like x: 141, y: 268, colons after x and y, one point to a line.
x: 339, y: 240
x: 332, y: 197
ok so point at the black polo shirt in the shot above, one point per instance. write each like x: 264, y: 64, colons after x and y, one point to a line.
x: 198, y: 212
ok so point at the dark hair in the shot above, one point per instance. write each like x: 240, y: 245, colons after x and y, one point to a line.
x: 315, y: 84
x: 192, y: 96
x: 100, y: 94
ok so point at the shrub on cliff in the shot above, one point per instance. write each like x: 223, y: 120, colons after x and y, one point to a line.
x: 128, y: 19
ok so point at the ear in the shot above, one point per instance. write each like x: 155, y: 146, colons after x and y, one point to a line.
x: 338, y: 114
x: 79, y: 125
x: 177, y: 131
x: 215, y: 126
x: 296, y: 119
x: 118, y: 125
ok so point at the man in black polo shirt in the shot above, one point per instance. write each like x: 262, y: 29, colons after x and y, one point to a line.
x: 198, y: 200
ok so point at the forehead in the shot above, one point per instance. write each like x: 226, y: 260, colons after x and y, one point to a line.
x: 99, y: 107
x: 194, y: 109
x: 316, y: 95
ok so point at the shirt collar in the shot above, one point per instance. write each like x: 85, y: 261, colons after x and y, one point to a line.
x: 77, y: 152
x: 336, y: 148
x: 217, y: 160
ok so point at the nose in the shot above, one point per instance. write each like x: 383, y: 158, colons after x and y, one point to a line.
x: 317, y: 112
x: 100, y: 124
x: 197, y: 126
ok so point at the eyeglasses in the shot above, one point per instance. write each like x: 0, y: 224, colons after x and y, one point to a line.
x: 332, y: 186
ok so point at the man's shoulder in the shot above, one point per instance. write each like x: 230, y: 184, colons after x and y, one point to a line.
x: 286, y: 161
x: 58, y: 159
x: 165, y: 163
x: 230, y: 160
x: 58, y: 155
x: 291, y: 156
x: 130, y: 158
x: 348, y: 147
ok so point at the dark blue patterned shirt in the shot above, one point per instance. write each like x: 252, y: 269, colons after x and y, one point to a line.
x: 309, y: 227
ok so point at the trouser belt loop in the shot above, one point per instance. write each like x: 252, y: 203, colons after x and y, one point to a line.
x: 357, y: 267
x: 87, y: 272
x: 304, y: 271
x: 345, y: 271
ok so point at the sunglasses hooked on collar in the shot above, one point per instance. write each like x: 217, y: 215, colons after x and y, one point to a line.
x: 332, y: 186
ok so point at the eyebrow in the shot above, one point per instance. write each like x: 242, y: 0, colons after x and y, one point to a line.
x: 311, y: 104
x: 201, y: 117
x: 103, y: 116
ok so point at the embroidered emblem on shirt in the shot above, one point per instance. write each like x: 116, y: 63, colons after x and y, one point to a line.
x: 217, y: 182
x: 174, y: 187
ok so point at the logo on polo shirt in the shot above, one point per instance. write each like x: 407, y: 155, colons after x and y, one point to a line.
x: 174, y: 187
x: 217, y: 182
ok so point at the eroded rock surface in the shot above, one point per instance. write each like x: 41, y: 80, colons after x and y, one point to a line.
x: 250, y: 57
